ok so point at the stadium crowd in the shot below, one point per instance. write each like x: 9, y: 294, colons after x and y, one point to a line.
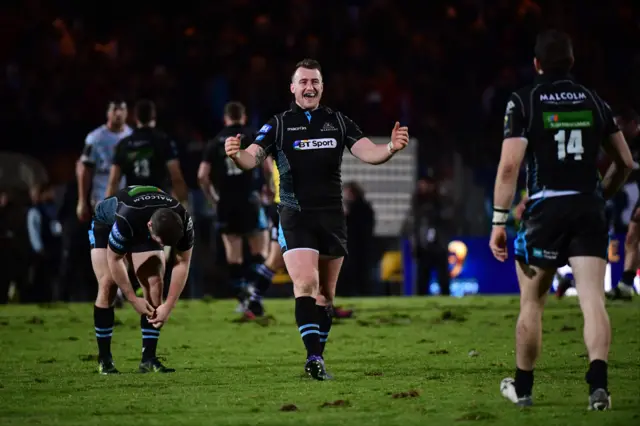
x: 434, y: 65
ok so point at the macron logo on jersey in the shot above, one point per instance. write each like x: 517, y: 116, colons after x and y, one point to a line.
x: 306, y: 144
x: 265, y: 129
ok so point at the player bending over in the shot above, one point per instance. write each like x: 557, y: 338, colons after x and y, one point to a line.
x: 558, y: 127
x: 133, y: 227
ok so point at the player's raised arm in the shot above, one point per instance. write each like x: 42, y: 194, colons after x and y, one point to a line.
x: 617, y: 149
x: 372, y: 153
x: 254, y: 154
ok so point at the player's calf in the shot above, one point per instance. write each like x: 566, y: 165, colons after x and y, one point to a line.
x: 103, y: 322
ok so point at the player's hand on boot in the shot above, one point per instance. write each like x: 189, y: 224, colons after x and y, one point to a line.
x: 399, y: 138
x: 232, y: 145
x: 161, y: 315
x: 498, y: 243
x: 142, y: 306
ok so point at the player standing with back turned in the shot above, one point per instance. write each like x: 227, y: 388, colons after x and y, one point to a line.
x: 307, y: 141
x: 557, y: 127
x: 239, y: 211
x: 147, y: 157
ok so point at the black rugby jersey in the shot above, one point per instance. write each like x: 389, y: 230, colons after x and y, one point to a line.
x: 308, y: 147
x: 143, y: 156
x: 231, y: 182
x: 129, y: 211
x: 565, y: 124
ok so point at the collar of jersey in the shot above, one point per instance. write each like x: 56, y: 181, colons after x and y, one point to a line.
x: 553, y: 76
x: 296, y: 108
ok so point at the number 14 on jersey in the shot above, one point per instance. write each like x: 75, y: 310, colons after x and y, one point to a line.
x: 572, y: 146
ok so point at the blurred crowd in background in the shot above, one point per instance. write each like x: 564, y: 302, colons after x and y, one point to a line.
x: 444, y: 68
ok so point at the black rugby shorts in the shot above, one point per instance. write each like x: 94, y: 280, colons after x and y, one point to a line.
x: 321, y: 230
x: 556, y: 228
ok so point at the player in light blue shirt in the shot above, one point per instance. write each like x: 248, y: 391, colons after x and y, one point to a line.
x: 95, y: 162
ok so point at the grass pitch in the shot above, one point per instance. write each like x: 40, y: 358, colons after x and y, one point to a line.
x: 401, y: 361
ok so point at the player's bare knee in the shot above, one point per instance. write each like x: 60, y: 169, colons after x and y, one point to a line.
x: 107, y: 291
x: 305, y: 286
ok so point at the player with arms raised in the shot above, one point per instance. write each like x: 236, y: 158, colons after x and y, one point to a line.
x: 133, y: 227
x: 308, y: 142
x: 558, y: 127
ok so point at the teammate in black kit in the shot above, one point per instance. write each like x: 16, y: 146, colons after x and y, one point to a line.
x: 240, y: 212
x: 145, y: 157
x: 307, y: 142
x: 134, y: 225
x: 557, y: 127
x: 629, y: 123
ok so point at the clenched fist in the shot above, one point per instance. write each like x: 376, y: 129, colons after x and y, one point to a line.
x: 232, y: 145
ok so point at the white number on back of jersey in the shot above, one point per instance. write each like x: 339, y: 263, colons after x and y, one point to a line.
x: 573, y: 146
x: 141, y: 168
x: 232, y: 168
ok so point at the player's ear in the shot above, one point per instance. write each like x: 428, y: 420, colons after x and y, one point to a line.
x: 149, y: 226
x: 536, y: 65
x: 292, y: 88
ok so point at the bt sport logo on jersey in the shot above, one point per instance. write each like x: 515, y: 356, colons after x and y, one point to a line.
x: 307, y: 144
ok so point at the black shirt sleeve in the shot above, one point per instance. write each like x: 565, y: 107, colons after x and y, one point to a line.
x: 169, y: 149
x: 353, y: 133
x: 120, y: 155
x: 266, y: 137
x: 88, y: 157
x: 515, y: 124
x: 121, y: 235
x: 209, y: 153
x: 610, y: 125
x: 187, y: 240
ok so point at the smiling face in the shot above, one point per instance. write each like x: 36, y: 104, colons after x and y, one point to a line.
x: 307, y: 87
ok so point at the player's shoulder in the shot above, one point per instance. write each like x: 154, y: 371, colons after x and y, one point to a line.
x: 159, y: 135
x: 95, y: 135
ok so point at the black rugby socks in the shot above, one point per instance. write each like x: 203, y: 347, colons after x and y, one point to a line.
x: 236, y: 279
x: 260, y: 274
x: 103, y: 320
x: 325, y: 320
x: 597, y: 376
x: 524, y: 382
x: 150, y: 336
x: 628, y: 277
x: 306, y: 318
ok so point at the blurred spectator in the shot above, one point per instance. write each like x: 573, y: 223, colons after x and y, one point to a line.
x: 76, y: 280
x: 431, y: 230
x: 14, y: 254
x: 355, y: 276
x: 44, y: 234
